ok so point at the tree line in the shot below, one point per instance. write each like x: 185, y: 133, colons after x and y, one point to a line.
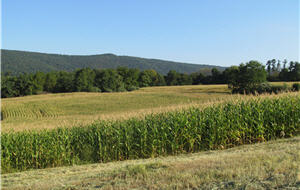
x: 253, y: 77
x: 282, y: 70
x: 127, y: 79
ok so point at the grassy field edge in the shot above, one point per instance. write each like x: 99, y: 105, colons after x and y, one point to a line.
x: 268, y: 165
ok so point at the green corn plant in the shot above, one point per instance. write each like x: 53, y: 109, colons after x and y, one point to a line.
x: 190, y: 130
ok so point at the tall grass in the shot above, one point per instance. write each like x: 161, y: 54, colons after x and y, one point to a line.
x: 190, y: 130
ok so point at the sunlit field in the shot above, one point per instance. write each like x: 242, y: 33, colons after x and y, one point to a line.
x: 73, y: 109
x: 270, y: 165
x: 252, y: 119
x: 69, y: 109
x: 150, y: 95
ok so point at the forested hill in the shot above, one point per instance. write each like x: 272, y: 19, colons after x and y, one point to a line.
x: 17, y: 62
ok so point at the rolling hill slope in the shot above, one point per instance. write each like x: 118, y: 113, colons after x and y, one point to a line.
x: 22, y: 61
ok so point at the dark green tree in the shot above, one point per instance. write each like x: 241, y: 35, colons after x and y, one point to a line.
x: 149, y: 78
x: 172, y: 78
x: 184, y: 79
x: 269, y: 67
x: 250, y: 76
x: 284, y: 75
x: 84, y: 80
x: 108, y: 80
x: 197, y: 78
x: 294, y: 71
x: 8, y: 86
x: 64, y: 82
x: 273, y: 61
x: 38, y: 82
x: 50, y: 82
x: 231, y: 76
x: 24, y: 85
x: 130, y: 77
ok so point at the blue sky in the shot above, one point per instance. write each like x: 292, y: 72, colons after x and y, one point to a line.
x: 216, y: 32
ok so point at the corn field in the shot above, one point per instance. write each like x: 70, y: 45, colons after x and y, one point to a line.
x: 190, y: 130
x: 42, y: 111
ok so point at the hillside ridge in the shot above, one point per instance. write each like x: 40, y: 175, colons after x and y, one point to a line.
x: 16, y: 62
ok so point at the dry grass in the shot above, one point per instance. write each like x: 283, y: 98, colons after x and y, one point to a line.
x: 271, y: 165
x: 49, y: 111
x: 71, y: 109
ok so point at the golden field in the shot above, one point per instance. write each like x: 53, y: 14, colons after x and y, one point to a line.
x: 267, y: 165
x: 49, y: 111
x: 69, y: 109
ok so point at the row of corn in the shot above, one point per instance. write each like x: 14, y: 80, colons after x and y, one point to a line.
x: 191, y: 130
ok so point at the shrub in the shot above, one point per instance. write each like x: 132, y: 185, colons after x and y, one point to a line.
x: 278, y: 89
x: 296, y: 87
x: 121, y: 88
x: 132, y: 88
x: 262, y: 89
x: 94, y: 89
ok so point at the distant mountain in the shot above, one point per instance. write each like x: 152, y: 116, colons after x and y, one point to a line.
x: 22, y: 61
